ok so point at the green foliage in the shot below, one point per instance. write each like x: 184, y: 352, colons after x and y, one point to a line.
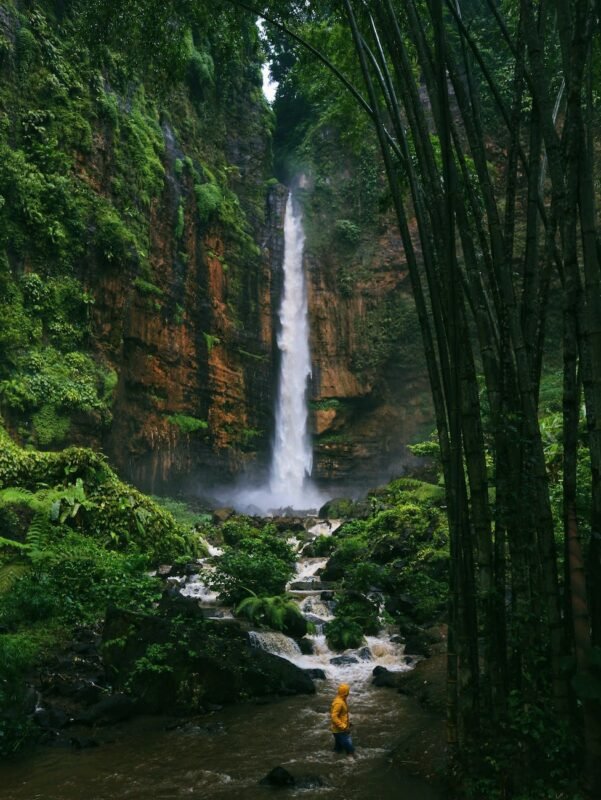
x: 113, y: 239
x: 210, y: 341
x: 342, y: 634
x: 529, y: 755
x: 208, y: 201
x: 278, y: 613
x: 390, y: 328
x: 347, y: 232
x: 17, y: 653
x: 256, y: 561
x: 188, y: 424
x: 117, y: 515
x: 52, y: 386
x: 181, y: 221
x: 183, y: 514
x: 147, y: 288
x: 352, y: 606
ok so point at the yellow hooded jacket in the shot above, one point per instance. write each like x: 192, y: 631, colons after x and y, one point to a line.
x: 339, y: 710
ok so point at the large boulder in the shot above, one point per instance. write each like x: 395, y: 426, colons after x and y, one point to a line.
x: 179, y: 662
x: 383, y: 677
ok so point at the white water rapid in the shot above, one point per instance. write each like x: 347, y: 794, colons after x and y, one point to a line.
x: 290, y: 483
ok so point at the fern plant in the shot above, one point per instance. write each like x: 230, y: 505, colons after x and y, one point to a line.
x: 279, y: 613
x: 10, y: 574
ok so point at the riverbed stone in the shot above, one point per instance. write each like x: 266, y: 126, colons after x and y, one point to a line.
x: 343, y: 661
x: 306, y: 646
x: 278, y: 776
x: 116, y: 707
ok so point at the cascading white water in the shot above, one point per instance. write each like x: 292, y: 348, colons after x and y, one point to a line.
x: 292, y: 456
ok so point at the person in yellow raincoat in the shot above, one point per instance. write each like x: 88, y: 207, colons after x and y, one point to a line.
x: 340, y: 721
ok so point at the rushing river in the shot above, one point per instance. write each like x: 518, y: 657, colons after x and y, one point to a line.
x: 225, y: 754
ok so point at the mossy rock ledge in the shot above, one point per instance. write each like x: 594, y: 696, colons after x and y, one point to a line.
x: 178, y: 662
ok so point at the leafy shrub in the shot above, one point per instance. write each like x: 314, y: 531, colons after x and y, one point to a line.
x: 355, y: 607
x: 347, y: 231
x: 17, y: 652
x: 117, y: 515
x: 253, y: 568
x: 113, y: 239
x: 342, y: 634
x: 278, y: 613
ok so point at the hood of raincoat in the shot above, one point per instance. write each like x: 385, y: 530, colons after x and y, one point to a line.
x: 344, y: 689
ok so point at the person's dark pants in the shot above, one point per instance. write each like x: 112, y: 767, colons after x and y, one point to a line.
x: 343, y: 743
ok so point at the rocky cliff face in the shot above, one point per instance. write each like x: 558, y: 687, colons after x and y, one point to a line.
x: 140, y: 269
x: 140, y: 299
x: 370, y: 394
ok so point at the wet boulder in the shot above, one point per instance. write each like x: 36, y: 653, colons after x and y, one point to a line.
x: 278, y: 776
x: 115, y: 708
x: 365, y: 654
x: 179, y: 662
x: 386, y: 678
x: 343, y: 661
x: 306, y: 646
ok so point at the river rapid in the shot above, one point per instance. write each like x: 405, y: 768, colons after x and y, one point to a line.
x: 224, y: 754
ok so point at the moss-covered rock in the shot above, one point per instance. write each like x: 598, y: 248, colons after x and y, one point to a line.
x: 178, y: 661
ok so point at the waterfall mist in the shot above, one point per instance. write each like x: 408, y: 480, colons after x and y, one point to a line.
x: 289, y: 482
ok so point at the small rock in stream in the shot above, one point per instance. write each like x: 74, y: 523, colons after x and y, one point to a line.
x: 342, y: 661
x: 306, y: 646
x: 365, y: 654
x: 278, y: 777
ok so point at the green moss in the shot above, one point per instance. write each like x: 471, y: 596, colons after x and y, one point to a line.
x: 114, y: 239
x: 180, y: 223
x: 147, y: 288
x: 188, y: 424
x: 208, y: 200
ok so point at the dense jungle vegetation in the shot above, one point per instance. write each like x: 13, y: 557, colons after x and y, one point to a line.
x: 474, y: 126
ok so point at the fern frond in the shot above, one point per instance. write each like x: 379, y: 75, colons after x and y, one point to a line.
x: 12, y: 544
x: 16, y: 497
x: 40, y: 533
x: 10, y: 574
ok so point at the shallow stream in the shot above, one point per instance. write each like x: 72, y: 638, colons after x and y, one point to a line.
x: 226, y: 753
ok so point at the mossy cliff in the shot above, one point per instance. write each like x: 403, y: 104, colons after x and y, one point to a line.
x: 135, y: 263
x: 140, y: 256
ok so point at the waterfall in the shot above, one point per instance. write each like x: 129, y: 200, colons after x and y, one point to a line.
x: 292, y: 456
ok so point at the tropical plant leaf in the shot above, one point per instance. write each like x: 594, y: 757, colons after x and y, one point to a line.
x: 10, y: 574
